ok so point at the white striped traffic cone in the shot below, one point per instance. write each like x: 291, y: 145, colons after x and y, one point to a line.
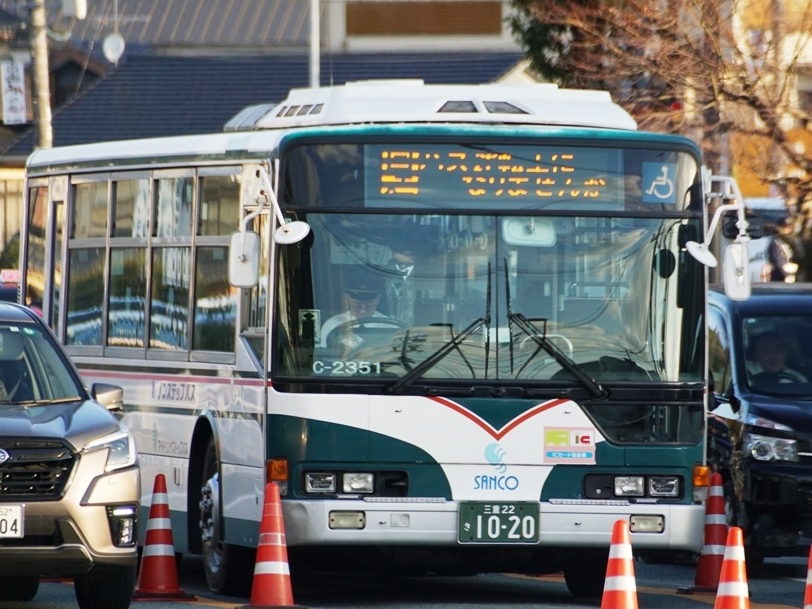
x: 709, y: 564
x: 733, y: 592
x: 808, y: 590
x: 271, y: 587
x: 158, y: 578
x: 620, y: 588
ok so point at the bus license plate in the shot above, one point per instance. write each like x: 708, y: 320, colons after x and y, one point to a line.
x: 11, y: 521
x: 499, y: 522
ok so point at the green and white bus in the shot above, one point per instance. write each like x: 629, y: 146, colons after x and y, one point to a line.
x: 530, y: 366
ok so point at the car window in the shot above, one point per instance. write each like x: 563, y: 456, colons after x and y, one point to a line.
x: 778, y: 353
x: 718, y: 353
x: 32, y: 368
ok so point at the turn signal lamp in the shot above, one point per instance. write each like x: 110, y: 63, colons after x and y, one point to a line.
x: 702, y: 476
x: 276, y: 470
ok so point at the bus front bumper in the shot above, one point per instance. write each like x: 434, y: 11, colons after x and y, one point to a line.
x: 434, y: 522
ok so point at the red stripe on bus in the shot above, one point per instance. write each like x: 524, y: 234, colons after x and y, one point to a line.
x: 177, y: 378
x: 500, y: 433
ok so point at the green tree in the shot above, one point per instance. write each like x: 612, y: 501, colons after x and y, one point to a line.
x: 10, y: 256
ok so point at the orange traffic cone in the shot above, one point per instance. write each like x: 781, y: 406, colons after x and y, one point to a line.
x: 271, y: 586
x: 808, y: 591
x: 733, y: 592
x: 620, y: 589
x: 158, y: 579
x: 709, y: 564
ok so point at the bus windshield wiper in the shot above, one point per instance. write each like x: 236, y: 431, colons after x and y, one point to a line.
x: 540, y: 338
x: 455, y: 342
x: 510, y: 318
x: 435, y: 358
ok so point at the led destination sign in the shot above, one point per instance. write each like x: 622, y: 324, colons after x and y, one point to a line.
x: 531, y: 174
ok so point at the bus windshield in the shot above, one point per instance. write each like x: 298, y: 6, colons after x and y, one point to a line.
x: 484, y: 294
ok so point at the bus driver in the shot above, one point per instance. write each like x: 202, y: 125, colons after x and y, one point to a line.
x: 362, y: 292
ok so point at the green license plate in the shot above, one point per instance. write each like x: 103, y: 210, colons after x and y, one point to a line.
x: 499, y: 522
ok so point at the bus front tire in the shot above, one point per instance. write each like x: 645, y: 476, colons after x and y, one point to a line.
x: 585, y: 578
x: 229, y: 568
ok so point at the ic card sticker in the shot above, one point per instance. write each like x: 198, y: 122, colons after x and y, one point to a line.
x: 570, y: 445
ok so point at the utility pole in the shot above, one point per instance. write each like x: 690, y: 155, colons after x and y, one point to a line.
x: 42, y: 89
x: 315, y: 35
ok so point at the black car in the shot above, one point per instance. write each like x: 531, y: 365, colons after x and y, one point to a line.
x: 8, y: 293
x: 760, y: 419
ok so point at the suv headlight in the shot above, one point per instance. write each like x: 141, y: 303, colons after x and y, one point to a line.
x: 766, y: 448
x: 756, y: 421
x: 121, y: 447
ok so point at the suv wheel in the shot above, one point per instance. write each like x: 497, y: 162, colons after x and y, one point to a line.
x: 105, y: 589
x: 19, y: 588
x: 229, y: 568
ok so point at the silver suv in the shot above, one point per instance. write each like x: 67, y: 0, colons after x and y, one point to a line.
x: 69, y: 478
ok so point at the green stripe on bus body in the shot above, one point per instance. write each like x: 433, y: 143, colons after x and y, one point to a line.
x: 566, y: 481
x: 317, y: 445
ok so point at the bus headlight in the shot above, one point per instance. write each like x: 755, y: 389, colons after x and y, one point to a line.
x: 767, y: 448
x: 663, y: 486
x: 629, y: 486
x: 320, y: 483
x: 358, y: 483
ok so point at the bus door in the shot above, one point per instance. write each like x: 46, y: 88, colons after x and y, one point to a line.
x: 42, y: 257
x: 254, y: 301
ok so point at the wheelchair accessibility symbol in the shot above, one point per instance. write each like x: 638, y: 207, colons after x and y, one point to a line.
x: 659, y: 183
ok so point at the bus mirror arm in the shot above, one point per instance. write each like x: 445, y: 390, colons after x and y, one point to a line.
x: 735, y: 270
x: 287, y: 232
x: 243, y: 271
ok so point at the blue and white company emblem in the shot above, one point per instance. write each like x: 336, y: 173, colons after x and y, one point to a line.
x: 493, y: 455
x: 4, y: 456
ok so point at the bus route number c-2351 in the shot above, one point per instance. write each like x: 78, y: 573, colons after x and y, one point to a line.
x: 346, y: 367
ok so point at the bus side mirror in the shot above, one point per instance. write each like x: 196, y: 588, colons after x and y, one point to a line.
x: 736, y: 271
x: 243, y: 259
x: 731, y: 231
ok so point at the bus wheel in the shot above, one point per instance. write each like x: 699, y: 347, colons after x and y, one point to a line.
x: 229, y: 568
x: 585, y: 577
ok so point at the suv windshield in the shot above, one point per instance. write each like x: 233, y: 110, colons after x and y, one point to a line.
x: 31, y: 368
x: 778, y: 354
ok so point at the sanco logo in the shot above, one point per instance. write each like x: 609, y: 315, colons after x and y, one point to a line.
x: 494, y: 455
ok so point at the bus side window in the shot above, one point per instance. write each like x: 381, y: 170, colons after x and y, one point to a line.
x: 170, y: 298
x: 219, y: 205
x: 85, y: 296
x: 215, y: 314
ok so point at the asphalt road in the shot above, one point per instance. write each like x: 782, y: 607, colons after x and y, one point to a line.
x: 781, y: 586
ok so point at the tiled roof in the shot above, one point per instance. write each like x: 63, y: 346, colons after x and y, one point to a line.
x: 152, y: 96
x: 197, y: 23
